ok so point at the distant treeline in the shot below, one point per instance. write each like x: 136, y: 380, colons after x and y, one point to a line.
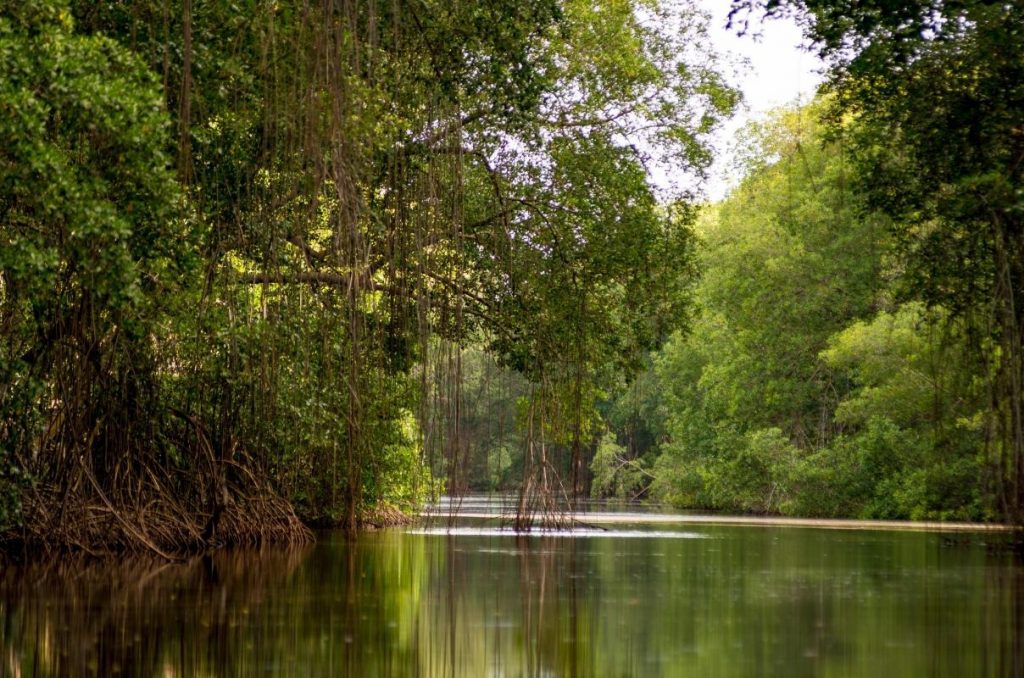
x: 855, y: 347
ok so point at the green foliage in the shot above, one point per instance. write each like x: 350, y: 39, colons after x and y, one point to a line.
x: 577, y: 270
x: 787, y: 260
x: 937, y: 90
x: 490, y: 399
x: 614, y: 473
x: 914, y: 414
x: 754, y: 478
x: 93, y: 239
x: 792, y: 394
x: 90, y: 204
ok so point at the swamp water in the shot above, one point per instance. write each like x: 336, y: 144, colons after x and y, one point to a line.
x: 637, y: 599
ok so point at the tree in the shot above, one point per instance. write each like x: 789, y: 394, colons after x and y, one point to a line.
x: 913, y: 421
x: 805, y: 387
x: 93, y: 241
x: 937, y: 90
x: 788, y: 259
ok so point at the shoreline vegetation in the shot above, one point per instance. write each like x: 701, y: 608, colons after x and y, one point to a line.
x: 313, y: 263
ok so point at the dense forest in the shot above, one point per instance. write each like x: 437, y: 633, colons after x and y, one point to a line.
x: 268, y: 265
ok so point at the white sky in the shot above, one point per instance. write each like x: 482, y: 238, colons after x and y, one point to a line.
x: 777, y: 72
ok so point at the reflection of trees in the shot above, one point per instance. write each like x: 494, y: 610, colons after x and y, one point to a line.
x: 757, y: 601
x: 1003, y: 655
x: 745, y: 602
x: 136, y: 617
x: 325, y: 609
x: 514, y: 609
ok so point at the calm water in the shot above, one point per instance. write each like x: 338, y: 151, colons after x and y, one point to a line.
x: 635, y: 601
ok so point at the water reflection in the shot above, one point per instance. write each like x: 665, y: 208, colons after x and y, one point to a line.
x: 735, y: 601
x: 72, y: 617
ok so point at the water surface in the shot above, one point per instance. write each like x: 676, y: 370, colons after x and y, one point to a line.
x: 632, y: 600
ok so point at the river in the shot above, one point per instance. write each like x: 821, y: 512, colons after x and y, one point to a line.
x: 633, y: 597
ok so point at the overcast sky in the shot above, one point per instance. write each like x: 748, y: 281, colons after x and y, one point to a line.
x: 777, y: 72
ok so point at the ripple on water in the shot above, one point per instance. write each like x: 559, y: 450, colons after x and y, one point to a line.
x: 567, y: 534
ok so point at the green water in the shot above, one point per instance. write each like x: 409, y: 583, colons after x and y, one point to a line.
x: 707, y: 601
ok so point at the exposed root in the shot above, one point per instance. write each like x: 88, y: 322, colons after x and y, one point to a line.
x: 145, y: 502
x: 543, y: 503
x: 384, y: 516
x: 146, y: 517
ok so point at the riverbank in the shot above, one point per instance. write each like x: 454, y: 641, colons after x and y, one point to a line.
x: 625, y: 518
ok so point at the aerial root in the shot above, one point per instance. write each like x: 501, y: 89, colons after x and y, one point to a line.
x: 150, y: 510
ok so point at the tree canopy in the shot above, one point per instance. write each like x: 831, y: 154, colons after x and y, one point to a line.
x: 937, y: 88
x: 271, y: 229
